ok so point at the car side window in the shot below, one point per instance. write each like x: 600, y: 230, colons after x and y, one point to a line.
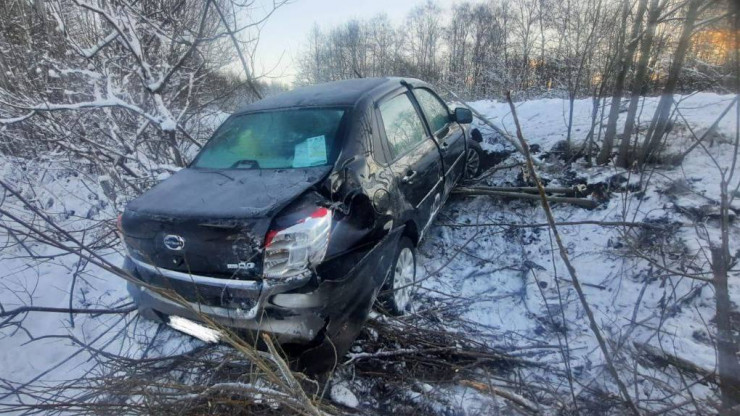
x: 435, y: 110
x: 403, y: 127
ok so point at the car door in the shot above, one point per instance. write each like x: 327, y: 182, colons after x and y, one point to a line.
x: 414, y: 158
x: 448, y: 134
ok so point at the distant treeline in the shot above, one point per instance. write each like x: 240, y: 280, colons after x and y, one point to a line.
x: 535, y: 47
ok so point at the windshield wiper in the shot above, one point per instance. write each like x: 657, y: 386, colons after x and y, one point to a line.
x: 218, y: 173
x: 251, y: 164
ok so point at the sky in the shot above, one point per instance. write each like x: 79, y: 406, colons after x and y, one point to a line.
x: 284, y: 34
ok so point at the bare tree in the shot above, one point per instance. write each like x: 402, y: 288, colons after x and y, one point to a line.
x: 661, y: 119
x: 639, y: 81
x: 423, y: 36
x: 728, y: 350
x: 525, y: 19
x: 580, y: 33
x: 624, y: 64
x: 458, y: 34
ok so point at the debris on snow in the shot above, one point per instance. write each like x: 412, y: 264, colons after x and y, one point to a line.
x: 341, y: 394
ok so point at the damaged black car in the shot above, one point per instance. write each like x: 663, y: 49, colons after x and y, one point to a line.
x: 300, y: 213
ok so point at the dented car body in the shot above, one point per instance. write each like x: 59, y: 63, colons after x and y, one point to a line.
x: 291, y: 218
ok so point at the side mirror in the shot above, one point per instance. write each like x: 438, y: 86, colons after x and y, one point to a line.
x: 463, y: 115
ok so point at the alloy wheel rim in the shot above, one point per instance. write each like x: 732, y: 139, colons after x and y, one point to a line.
x: 403, y: 278
x: 473, y: 162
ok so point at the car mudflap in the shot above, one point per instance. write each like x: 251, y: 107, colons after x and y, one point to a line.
x: 353, y: 295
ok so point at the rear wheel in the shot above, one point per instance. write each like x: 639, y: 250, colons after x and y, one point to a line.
x: 398, y: 290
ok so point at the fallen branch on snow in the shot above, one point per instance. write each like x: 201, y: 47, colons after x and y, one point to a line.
x: 657, y: 355
x: 487, y: 388
x: 105, y: 311
x: 582, y: 202
x: 648, y: 225
x: 406, y: 351
x: 528, y: 189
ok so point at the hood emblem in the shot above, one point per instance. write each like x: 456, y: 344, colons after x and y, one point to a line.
x: 174, y: 242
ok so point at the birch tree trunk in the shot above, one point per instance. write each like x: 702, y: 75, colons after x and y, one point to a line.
x: 639, y: 82
x: 626, y: 58
x: 728, y: 360
x: 660, y: 121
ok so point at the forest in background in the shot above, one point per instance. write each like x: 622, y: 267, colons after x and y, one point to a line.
x: 534, y: 47
x: 612, y: 51
x: 156, y: 68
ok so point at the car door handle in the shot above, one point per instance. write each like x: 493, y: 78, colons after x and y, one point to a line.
x: 409, y: 176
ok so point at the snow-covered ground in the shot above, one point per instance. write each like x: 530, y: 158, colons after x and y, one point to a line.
x: 487, y: 271
x: 505, y: 284
x: 39, y: 349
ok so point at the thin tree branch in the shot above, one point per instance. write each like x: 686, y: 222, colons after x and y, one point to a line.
x: 571, y: 270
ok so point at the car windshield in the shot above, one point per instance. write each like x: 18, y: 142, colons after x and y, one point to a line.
x: 273, y: 140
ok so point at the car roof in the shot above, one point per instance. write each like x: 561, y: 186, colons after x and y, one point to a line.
x: 337, y: 93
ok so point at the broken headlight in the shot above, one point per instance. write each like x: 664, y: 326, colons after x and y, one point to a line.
x: 290, y: 251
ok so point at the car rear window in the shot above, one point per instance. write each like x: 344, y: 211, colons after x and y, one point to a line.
x: 274, y: 140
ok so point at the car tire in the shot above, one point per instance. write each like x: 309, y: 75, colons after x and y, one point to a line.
x: 396, y: 294
x: 473, y: 160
